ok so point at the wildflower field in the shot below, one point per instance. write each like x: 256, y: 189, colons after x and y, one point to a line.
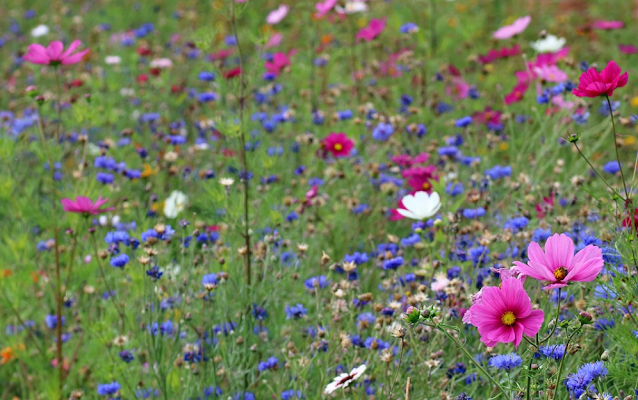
x: 262, y: 200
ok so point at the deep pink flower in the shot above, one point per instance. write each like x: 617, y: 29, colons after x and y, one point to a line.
x: 516, y: 94
x: 558, y: 264
x: 515, y: 28
x: 374, y: 29
x: 504, y: 52
x: 503, y: 315
x: 593, y: 84
x: 54, y: 54
x: 324, y: 7
x: 420, y: 178
x: 628, y: 48
x: 338, y: 144
x: 279, y: 62
x: 84, y: 205
x: 607, y: 25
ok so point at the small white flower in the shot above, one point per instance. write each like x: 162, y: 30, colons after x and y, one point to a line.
x: 420, y: 206
x: 226, y: 181
x: 343, y: 380
x: 39, y: 30
x: 112, y: 60
x: 548, y: 44
x: 174, y: 204
x: 161, y: 63
x: 352, y: 7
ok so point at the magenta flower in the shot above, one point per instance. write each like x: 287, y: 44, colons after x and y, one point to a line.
x: 54, y: 54
x: 558, y: 264
x: 374, y: 29
x: 515, y: 28
x: 628, y: 48
x: 338, y: 144
x: 607, y: 25
x: 279, y: 62
x: 503, y: 315
x: 84, y: 205
x: 593, y: 84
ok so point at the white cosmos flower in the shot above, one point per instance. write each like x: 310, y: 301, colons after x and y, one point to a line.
x: 548, y: 44
x: 175, y: 203
x: 352, y: 7
x: 112, y: 60
x: 420, y: 206
x: 345, y: 379
x: 39, y: 30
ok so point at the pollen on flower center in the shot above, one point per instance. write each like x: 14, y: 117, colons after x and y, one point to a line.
x: 338, y: 147
x: 560, y: 273
x: 426, y: 185
x: 508, y: 318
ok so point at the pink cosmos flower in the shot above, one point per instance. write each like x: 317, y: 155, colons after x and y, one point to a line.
x: 277, y: 15
x: 84, y: 205
x: 593, y: 84
x: 607, y: 25
x: 338, y: 144
x: 516, y: 94
x: 515, y: 28
x: 550, y: 73
x: 503, y: 315
x: 324, y: 7
x: 504, y: 52
x: 419, y: 178
x: 54, y: 54
x: 374, y: 29
x: 274, y: 40
x: 558, y: 264
x: 279, y: 62
x: 628, y: 48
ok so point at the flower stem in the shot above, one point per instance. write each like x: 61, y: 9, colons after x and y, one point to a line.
x: 396, y: 374
x: 596, y: 171
x: 476, y: 363
x: 613, y: 124
x: 562, y: 360
x: 555, y: 320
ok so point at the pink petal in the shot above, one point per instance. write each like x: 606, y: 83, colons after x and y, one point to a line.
x: 54, y: 51
x: 74, y: 45
x: 37, y: 54
x: 533, y: 322
x: 75, y: 58
x: 559, y: 251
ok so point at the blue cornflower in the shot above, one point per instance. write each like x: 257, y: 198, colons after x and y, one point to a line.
x: 463, y: 122
x: 210, y: 281
x: 104, y: 178
x: 411, y: 240
x: 410, y: 27
x: 126, y: 356
x: 454, y: 189
x: 357, y: 258
x: 108, y: 389
x: 366, y: 319
x: 119, y: 261
x: 51, y: 321
x: 470, y: 213
x: 498, y: 171
x: 382, y: 131
x: 155, y: 273
x: 612, y: 167
x: 296, y: 311
x: 554, y: 351
x: 516, y: 224
x: 582, y: 380
x: 206, y: 76
x: 271, y: 363
x: 316, y: 282
x: 244, y: 396
x: 393, y: 263
x: 506, y: 362
x: 292, y: 394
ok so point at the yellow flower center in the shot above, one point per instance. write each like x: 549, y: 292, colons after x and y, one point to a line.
x: 426, y: 185
x: 338, y: 147
x: 560, y: 273
x: 508, y: 318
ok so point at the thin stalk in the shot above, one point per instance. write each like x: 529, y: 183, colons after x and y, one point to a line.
x: 396, y: 374
x: 562, y: 360
x: 596, y: 171
x: 242, y: 150
x: 613, y: 124
x: 476, y: 363
x: 555, y: 320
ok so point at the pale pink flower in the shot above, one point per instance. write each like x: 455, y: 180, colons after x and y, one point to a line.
x: 324, y: 7
x: 515, y: 28
x: 558, y: 265
x: 277, y: 15
x: 274, y: 40
x: 505, y: 314
x: 550, y: 73
x: 374, y: 29
x: 54, y: 54
x: 607, y: 25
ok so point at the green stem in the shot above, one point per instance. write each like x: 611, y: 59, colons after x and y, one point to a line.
x: 595, y: 170
x: 476, y: 363
x: 555, y: 320
x: 613, y: 124
x: 562, y: 360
